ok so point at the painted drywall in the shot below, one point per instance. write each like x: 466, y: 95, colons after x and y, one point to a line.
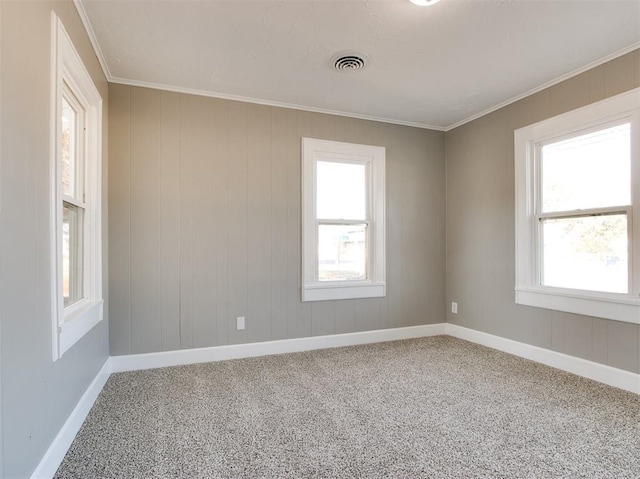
x: 205, y: 223
x: 37, y: 393
x: 481, y: 226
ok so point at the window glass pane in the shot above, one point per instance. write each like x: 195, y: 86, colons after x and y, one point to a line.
x: 72, y: 258
x: 342, y: 252
x: 587, y: 171
x: 341, y: 190
x: 68, y: 143
x: 587, y: 253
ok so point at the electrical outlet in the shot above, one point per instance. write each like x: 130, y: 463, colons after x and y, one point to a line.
x: 454, y: 307
x: 240, y: 322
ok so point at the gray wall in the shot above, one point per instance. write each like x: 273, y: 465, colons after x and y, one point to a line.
x: 204, y: 226
x: 481, y: 226
x: 37, y: 394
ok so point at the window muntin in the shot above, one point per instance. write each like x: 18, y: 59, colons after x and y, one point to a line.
x: 578, y: 211
x: 343, y: 220
x: 76, y: 251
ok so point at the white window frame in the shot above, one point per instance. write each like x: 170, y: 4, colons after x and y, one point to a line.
x: 68, y: 74
x: 529, y: 291
x: 373, y: 157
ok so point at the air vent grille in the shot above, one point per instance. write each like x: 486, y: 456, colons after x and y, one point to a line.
x: 349, y: 63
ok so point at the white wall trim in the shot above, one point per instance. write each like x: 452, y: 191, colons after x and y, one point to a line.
x: 136, y: 362
x: 550, y: 83
x: 55, y: 454
x: 602, y: 373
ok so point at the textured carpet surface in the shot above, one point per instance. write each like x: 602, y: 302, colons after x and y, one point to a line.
x: 434, y: 407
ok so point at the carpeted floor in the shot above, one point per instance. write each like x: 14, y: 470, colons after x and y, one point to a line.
x: 434, y: 407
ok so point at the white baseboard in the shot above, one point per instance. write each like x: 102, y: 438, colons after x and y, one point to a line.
x: 55, y: 454
x: 135, y: 362
x: 598, y: 372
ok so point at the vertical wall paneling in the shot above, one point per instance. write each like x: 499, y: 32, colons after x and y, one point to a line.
x: 622, y: 74
x: 202, y: 247
x: 169, y: 211
x: 259, y: 223
x: 120, y: 219
x: 394, y: 219
x: 316, y: 319
x: 145, y: 221
x: 220, y: 209
x: 295, y: 309
x: 579, y: 343
x: 415, y: 231
x: 187, y: 220
x: 212, y: 211
x: 278, y: 224
x: 599, y: 341
x: 345, y: 317
x: 623, y: 346
x: 237, y: 121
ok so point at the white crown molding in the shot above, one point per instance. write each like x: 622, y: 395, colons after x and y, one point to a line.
x: 601, y: 373
x: 546, y: 85
x: 55, y: 454
x: 92, y: 38
x: 258, y: 101
x: 134, y: 362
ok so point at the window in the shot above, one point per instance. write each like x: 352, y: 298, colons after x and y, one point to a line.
x: 75, y: 185
x: 578, y: 211
x: 343, y: 220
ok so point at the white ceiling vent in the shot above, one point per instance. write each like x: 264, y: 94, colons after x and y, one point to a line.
x: 349, y: 62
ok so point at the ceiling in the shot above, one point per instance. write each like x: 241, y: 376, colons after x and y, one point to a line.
x: 436, y: 66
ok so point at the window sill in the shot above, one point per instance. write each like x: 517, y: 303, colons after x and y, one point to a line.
x: 336, y: 291
x: 623, y: 307
x: 78, y: 323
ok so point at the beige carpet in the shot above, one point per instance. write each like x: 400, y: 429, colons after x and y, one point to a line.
x: 435, y: 407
